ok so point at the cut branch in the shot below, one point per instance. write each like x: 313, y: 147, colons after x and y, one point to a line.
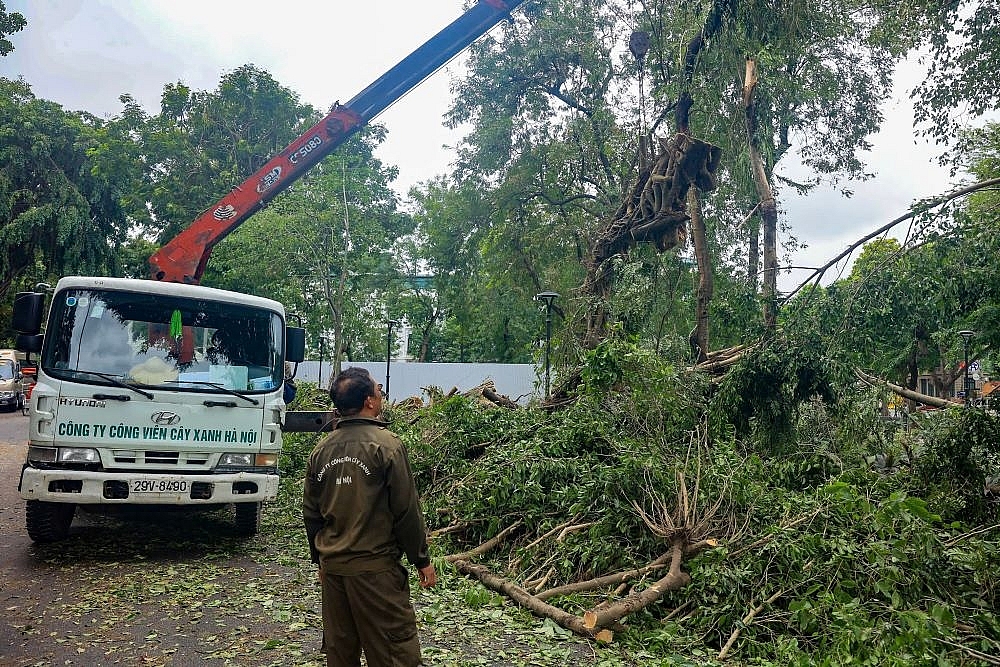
x: 606, y: 580
x: 674, y: 580
x: 747, y: 620
x: 522, y: 597
x: 485, y: 546
x: 594, y: 622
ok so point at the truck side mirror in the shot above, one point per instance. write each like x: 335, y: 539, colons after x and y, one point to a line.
x: 28, y: 312
x: 28, y: 342
x: 295, y: 344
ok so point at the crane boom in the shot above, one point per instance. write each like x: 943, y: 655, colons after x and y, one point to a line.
x: 183, y: 258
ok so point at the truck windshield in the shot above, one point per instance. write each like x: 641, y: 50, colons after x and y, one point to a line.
x: 159, y: 340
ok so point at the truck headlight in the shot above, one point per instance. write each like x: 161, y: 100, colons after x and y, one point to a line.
x: 78, y: 455
x: 245, y: 460
x: 249, y: 460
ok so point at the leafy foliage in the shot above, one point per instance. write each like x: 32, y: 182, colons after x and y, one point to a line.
x: 63, y: 206
x: 10, y: 22
x: 203, y: 143
x: 761, y: 395
x: 857, y: 563
x: 961, y: 449
x: 964, y: 55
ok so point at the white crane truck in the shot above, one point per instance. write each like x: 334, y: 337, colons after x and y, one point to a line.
x: 165, y: 392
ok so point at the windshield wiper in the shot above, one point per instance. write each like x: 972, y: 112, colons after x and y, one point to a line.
x: 118, y: 383
x: 215, y: 385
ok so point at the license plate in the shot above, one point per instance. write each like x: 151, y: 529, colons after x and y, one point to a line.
x: 159, y: 486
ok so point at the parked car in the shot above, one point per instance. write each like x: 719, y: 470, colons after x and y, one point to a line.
x: 11, y: 383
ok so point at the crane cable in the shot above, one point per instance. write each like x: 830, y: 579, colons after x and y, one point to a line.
x: 638, y: 45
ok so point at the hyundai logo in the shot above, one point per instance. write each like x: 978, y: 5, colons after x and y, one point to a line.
x: 164, y: 418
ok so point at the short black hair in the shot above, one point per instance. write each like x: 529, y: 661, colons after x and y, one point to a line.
x: 349, y: 390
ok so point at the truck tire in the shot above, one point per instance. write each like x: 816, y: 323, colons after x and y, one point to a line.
x: 248, y: 518
x: 48, y: 522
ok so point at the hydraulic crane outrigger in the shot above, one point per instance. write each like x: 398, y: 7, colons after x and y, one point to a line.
x: 183, y: 259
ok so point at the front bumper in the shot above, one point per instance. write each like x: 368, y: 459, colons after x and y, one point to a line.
x: 144, y: 488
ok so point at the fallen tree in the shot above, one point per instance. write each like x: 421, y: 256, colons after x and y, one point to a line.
x: 908, y: 394
x: 683, y: 524
x: 594, y: 622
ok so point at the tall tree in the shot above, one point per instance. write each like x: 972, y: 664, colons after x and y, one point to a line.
x: 203, y: 143
x: 10, y: 22
x: 65, y: 188
x: 555, y: 95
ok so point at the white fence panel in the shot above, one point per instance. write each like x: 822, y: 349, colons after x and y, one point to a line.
x: 519, y: 382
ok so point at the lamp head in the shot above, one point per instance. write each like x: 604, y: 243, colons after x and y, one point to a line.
x: 966, y: 334
x: 547, y: 297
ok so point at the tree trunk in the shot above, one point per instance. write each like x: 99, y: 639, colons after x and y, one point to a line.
x: 425, y: 335
x: 655, y: 209
x: 753, y: 253
x: 768, y: 209
x: 654, y: 212
x: 706, y: 285
x: 334, y: 302
x: 933, y: 401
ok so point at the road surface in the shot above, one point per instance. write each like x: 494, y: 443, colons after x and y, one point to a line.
x: 168, y: 589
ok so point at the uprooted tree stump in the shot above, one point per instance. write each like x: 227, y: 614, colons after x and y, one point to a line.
x: 683, y: 525
x: 595, y: 622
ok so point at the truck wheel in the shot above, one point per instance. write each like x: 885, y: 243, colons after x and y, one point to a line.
x: 48, y: 522
x: 247, y: 518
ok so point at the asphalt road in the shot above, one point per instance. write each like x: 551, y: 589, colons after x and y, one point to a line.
x: 14, y: 542
x: 19, y: 570
x: 171, y: 591
x: 13, y: 427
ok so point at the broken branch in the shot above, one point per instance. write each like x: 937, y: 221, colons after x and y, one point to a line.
x: 485, y: 546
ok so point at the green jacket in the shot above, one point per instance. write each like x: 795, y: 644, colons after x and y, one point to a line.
x: 360, y: 504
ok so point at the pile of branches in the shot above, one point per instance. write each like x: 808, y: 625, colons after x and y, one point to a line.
x: 605, y: 517
x: 680, y: 525
x: 518, y: 549
x: 485, y: 392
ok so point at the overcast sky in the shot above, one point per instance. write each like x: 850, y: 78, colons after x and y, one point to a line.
x: 84, y: 54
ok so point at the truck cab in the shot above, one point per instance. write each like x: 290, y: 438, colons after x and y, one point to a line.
x: 154, y: 394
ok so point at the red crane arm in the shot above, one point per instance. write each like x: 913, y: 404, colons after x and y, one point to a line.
x: 183, y: 258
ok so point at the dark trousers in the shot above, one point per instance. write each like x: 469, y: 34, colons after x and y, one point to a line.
x: 373, y: 613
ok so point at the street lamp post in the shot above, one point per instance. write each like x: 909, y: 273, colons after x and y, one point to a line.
x: 966, y: 337
x: 548, y: 298
x: 388, y: 352
x: 320, y: 361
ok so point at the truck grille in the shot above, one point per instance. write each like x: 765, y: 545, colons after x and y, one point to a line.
x: 153, y: 458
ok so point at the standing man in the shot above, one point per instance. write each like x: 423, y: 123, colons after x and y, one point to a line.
x: 362, y: 514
